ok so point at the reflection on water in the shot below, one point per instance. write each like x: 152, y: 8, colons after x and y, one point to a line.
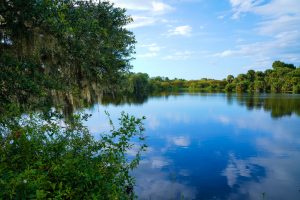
x: 215, y: 146
x: 278, y: 104
x: 205, y: 145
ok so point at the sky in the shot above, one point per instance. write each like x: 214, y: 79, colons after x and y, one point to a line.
x: 194, y: 39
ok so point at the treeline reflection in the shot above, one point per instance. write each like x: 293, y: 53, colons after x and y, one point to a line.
x: 278, y: 105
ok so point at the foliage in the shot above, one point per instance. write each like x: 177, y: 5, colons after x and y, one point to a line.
x: 19, y: 81
x: 280, y: 65
x: 282, y: 78
x: 48, y: 158
x: 137, y: 83
x: 165, y: 84
x: 66, y: 44
x: 71, y: 51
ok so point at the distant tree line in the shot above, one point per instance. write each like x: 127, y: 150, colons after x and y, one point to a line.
x: 282, y: 78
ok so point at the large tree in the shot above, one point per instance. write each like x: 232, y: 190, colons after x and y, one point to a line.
x: 72, y: 42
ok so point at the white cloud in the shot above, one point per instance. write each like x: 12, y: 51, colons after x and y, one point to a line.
x: 153, y: 47
x: 277, y: 15
x: 186, y: 54
x: 180, y: 30
x: 281, y: 46
x: 147, y: 55
x: 140, y: 21
x: 278, y: 8
x: 157, y: 7
x: 225, y: 53
x: 152, y: 50
x: 160, y: 7
x: 280, y: 23
x: 221, y: 16
x: 144, y: 12
x: 239, y: 40
x: 131, y: 4
x: 242, y: 6
x: 179, y: 55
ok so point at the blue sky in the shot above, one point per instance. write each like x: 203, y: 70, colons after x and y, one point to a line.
x: 195, y: 39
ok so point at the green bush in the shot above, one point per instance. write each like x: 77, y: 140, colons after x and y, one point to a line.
x: 296, y: 89
x: 242, y: 86
x: 230, y: 87
x: 56, y: 159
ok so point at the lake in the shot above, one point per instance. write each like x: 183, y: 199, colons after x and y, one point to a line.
x: 215, y: 146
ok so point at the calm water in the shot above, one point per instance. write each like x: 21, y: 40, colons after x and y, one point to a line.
x: 215, y: 146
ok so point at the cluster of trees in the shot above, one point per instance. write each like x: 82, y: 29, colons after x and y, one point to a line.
x: 281, y: 78
x: 72, y: 51
x: 165, y: 84
x: 141, y: 84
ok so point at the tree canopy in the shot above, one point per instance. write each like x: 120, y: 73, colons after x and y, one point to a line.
x: 282, y: 78
x: 70, y: 41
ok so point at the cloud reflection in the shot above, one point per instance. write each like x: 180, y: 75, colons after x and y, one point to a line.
x: 178, y: 118
x: 158, y: 162
x: 181, y: 141
x: 235, y: 169
x: 152, y: 122
x: 153, y: 183
x: 281, y: 179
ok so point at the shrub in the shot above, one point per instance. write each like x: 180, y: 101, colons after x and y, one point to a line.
x: 56, y: 159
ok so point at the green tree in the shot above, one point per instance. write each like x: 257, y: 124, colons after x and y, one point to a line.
x: 71, y: 42
x: 259, y: 76
x: 241, y: 77
x: 138, y: 84
x: 251, y: 75
x: 296, y: 88
x: 278, y: 64
x: 276, y: 86
x: 242, y: 86
x: 230, y: 87
x: 230, y: 78
x: 193, y: 86
x: 258, y: 86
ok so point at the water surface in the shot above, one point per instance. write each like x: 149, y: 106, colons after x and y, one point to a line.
x: 215, y: 146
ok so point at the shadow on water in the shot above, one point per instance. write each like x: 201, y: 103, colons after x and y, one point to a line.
x: 88, y: 95
x: 278, y: 104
